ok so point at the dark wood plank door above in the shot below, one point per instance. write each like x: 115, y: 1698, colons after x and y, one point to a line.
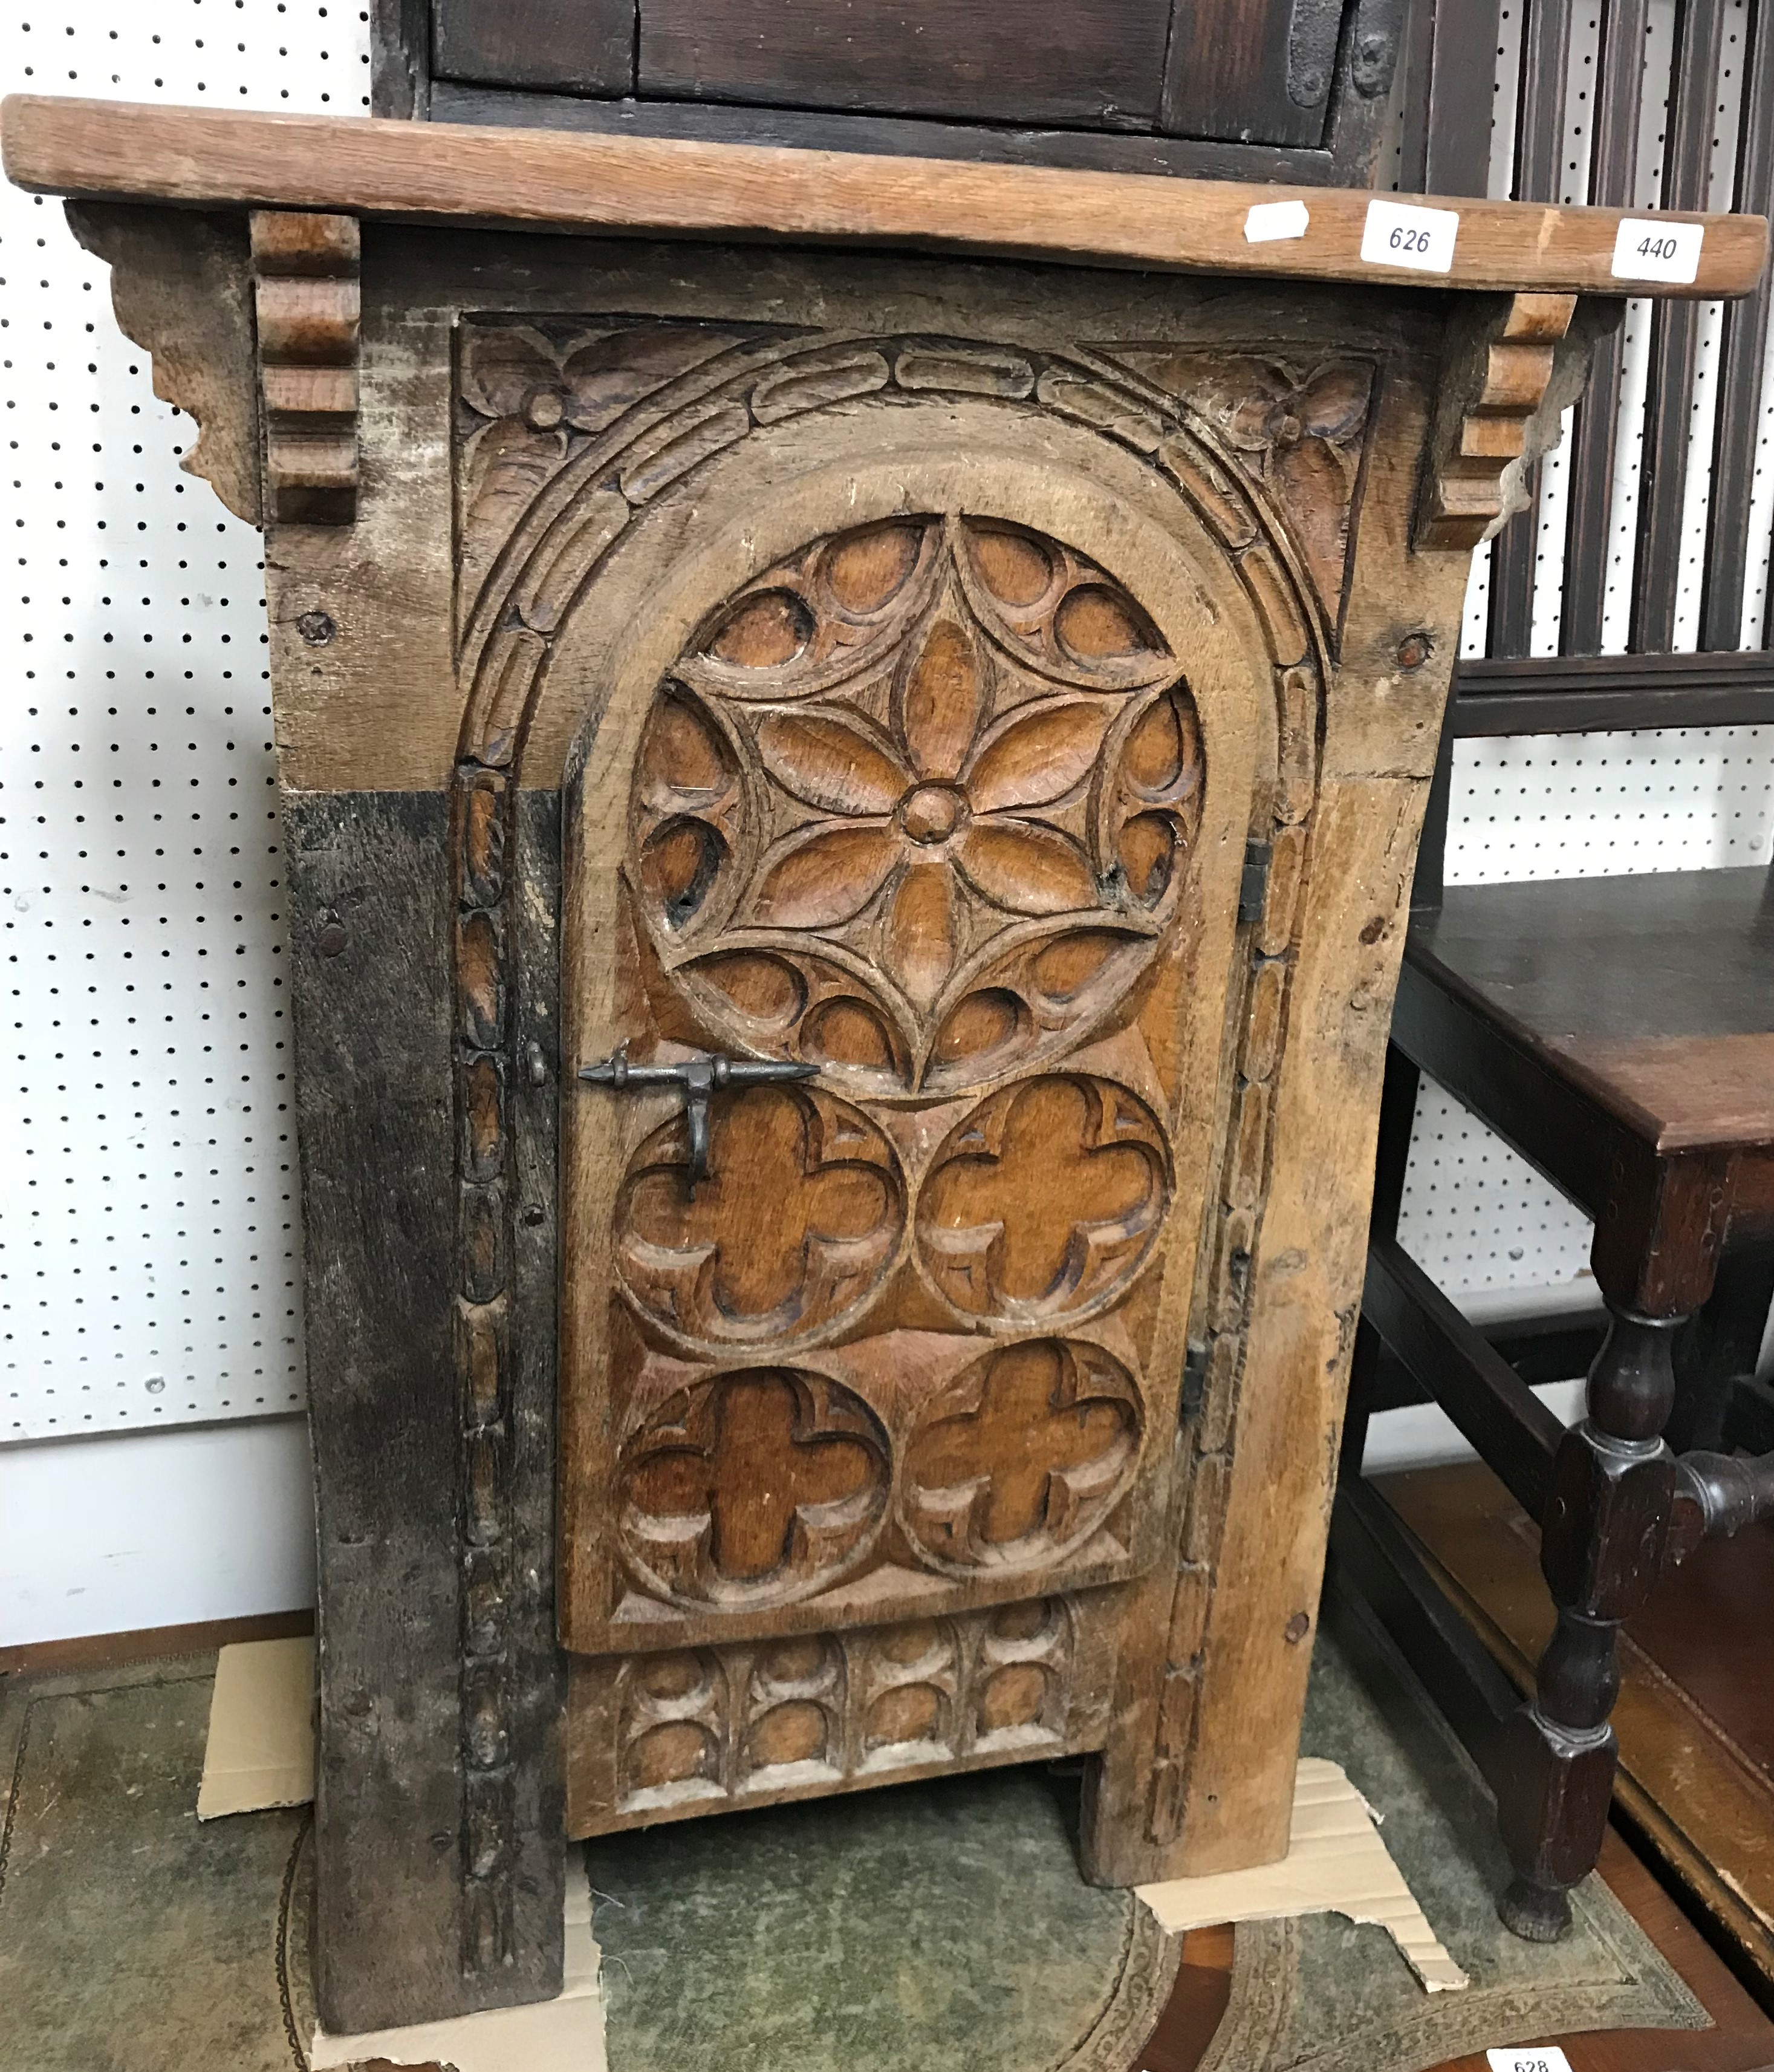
x: 568, y: 46
x: 1259, y: 71
x: 1097, y: 63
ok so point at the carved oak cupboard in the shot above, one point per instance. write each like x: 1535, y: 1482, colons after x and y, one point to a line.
x: 849, y: 822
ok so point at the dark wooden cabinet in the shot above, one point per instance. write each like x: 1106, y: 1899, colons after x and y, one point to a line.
x: 1264, y: 88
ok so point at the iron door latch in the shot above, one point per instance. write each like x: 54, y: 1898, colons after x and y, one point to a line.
x: 697, y: 1080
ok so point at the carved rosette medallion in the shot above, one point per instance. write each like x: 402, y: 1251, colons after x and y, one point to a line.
x: 1022, y: 1458
x: 798, y: 1222
x: 753, y: 1488
x: 918, y: 806
x: 1045, y: 1200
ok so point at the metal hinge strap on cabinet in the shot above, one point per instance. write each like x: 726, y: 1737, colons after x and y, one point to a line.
x: 1253, y: 889
x: 1194, y: 1381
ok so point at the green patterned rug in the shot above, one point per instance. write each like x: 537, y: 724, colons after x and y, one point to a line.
x: 927, y: 1928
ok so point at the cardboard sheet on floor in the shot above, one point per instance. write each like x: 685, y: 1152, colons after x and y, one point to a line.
x: 1337, y: 1863
x: 562, y: 2035
x: 261, y: 1751
x: 260, y: 1755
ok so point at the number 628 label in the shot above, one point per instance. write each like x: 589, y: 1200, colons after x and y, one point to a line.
x: 1395, y: 233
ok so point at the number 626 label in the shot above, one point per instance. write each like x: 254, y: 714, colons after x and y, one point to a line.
x: 1397, y: 234
x: 1647, y: 250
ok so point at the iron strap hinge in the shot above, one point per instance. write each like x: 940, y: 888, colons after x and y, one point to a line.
x: 1254, y: 888
x: 696, y: 1081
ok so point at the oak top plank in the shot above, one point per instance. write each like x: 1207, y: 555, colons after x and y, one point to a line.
x: 548, y: 180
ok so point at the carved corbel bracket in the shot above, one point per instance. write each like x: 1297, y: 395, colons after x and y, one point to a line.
x: 307, y: 294
x: 1502, y: 397
x: 179, y: 285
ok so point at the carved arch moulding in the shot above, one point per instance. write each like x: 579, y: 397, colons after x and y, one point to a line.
x: 567, y: 434
x: 570, y: 435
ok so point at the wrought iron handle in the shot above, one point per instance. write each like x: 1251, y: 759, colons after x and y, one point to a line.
x: 696, y: 1080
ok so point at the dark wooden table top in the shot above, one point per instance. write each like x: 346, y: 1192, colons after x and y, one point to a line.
x: 1655, y: 992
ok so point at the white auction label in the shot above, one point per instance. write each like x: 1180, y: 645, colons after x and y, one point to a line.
x: 1267, y: 221
x: 1396, y: 234
x: 1645, y: 250
x: 1549, y: 2058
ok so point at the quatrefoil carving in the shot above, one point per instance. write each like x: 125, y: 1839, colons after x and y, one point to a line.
x: 799, y: 1217
x: 1022, y: 1458
x: 919, y: 804
x: 753, y: 1487
x: 1045, y: 1202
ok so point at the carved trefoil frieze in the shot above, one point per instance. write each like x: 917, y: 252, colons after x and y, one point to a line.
x: 690, y: 1729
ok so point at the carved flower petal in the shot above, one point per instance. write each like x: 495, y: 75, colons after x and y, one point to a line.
x: 1249, y: 412
x: 1333, y: 404
x: 503, y: 367
x: 940, y: 704
x: 1315, y: 494
x: 607, y: 374
x: 1027, y: 868
x: 1039, y: 754
x: 917, y: 943
x: 830, y: 763
x: 826, y: 876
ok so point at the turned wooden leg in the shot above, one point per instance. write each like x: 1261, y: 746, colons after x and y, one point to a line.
x: 1602, y: 1543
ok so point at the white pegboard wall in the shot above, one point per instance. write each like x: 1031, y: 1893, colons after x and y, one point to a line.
x: 1478, y: 1217
x: 148, y: 1234
x: 148, y: 1237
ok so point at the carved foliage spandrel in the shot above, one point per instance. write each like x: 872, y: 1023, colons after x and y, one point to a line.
x: 919, y: 804
x: 530, y: 394
x: 1296, y: 427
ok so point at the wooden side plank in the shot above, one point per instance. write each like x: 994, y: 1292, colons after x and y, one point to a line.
x: 370, y: 927
x: 1735, y: 444
x: 1488, y: 1401
x: 1458, y: 143
x: 1675, y: 338
x: 1613, y: 163
x: 1375, y: 1566
x: 417, y: 171
x: 400, y: 59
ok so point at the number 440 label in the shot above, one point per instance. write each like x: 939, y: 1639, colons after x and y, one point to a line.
x: 1645, y: 250
x: 1394, y: 233
x: 1548, y: 2057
